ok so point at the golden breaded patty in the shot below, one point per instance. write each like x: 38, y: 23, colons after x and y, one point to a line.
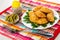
x: 31, y: 13
x: 37, y: 8
x: 50, y: 17
x: 42, y: 21
x: 32, y: 16
x: 46, y: 10
x: 40, y: 14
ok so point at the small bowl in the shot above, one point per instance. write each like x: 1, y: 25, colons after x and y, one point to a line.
x: 15, y: 21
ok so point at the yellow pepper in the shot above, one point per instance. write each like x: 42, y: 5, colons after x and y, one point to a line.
x: 15, y: 4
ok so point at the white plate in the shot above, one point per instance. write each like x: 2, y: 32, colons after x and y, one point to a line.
x: 41, y: 27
